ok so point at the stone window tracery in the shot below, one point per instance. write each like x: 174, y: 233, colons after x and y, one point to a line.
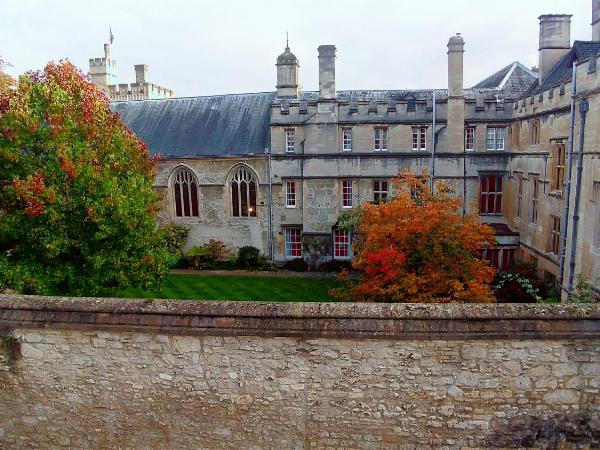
x: 243, y: 193
x: 185, y: 194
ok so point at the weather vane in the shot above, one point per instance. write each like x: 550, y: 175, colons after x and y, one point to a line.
x: 111, y: 38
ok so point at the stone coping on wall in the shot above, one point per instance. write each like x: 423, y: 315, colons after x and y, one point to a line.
x: 305, y: 320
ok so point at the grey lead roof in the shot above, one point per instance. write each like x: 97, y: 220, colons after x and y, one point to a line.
x: 219, y: 125
x: 512, y: 81
x: 562, y: 72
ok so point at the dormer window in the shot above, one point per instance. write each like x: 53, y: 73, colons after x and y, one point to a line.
x: 411, y: 104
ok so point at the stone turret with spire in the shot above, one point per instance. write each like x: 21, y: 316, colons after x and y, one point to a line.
x: 287, y: 73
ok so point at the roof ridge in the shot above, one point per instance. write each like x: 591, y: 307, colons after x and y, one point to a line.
x: 194, y: 96
x: 507, y: 76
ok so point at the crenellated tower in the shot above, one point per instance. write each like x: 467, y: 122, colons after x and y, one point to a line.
x: 103, y: 71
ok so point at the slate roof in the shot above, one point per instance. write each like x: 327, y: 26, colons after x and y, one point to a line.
x: 562, y: 72
x: 219, y: 125
x: 512, y: 81
x: 233, y: 124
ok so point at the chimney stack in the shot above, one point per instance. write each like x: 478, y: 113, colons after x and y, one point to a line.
x: 456, y: 101
x: 595, y: 20
x: 456, y: 48
x: 140, y: 73
x: 555, y: 41
x: 327, y: 71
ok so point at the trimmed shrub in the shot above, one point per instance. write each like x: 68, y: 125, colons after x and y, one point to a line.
x: 296, y: 265
x: 335, y: 265
x: 250, y: 258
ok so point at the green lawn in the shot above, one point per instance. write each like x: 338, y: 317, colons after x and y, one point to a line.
x: 194, y: 287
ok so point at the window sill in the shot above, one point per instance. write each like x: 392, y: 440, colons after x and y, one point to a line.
x: 556, y: 193
x: 291, y: 207
x: 187, y: 219
x: 552, y: 257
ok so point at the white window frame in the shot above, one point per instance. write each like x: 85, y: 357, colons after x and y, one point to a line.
x: 470, y: 138
x: 291, y: 251
x: 346, y: 139
x: 346, y: 244
x: 380, y: 189
x: 495, y: 138
x: 381, y: 139
x: 419, y: 138
x: 290, y: 194
x: 290, y: 140
x: 347, y: 194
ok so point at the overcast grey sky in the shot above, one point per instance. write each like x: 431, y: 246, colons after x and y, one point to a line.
x: 226, y: 46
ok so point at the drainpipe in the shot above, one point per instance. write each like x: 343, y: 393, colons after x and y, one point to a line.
x: 433, y: 143
x: 271, y: 252
x: 564, y: 220
x: 584, y: 107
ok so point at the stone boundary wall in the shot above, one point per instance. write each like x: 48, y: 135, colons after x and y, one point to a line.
x: 119, y: 373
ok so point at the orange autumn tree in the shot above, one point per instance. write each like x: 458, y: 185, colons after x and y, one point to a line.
x: 417, y: 247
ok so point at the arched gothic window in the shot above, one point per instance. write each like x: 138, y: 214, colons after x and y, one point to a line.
x: 185, y: 190
x: 243, y: 193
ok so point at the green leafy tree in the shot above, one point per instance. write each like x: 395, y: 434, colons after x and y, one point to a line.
x: 77, y: 206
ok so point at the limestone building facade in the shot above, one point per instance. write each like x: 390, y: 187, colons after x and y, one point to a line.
x: 276, y: 169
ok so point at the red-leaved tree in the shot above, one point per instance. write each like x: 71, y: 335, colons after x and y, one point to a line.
x: 418, y: 247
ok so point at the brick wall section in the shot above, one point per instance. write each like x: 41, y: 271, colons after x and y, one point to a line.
x: 114, y: 373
